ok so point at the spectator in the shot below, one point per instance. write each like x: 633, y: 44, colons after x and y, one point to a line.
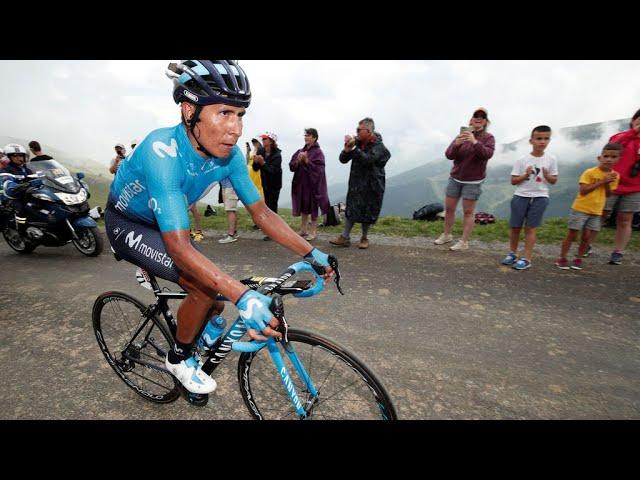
x: 254, y: 170
x: 270, y: 165
x: 470, y: 152
x: 36, y: 149
x: 4, y: 160
x: 626, y: 198
x: 368, y: 156
x: 309, y: 185
x: 121, y: 152
x: 231, y: 207
x: 531, y: 174
x: 12, y: 189
x: 196, y: 234
x: 596, y: 184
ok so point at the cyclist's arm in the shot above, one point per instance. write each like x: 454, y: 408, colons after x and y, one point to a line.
x: 268, y: 221
x: 164, y: 180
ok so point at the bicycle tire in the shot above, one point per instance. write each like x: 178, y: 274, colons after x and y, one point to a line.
x: 369, y: 389
x: 123, y: 366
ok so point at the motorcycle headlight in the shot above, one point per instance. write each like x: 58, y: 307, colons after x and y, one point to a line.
x: 42, y: 196
x: 73, y: 199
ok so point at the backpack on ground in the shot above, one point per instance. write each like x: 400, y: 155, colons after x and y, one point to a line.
x: 484, y: 218
x: 209, y: 211
x: 428, y: 212
x: 332, y: 217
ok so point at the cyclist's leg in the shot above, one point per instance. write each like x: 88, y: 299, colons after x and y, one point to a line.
x: 199, y: 305
x: 142, y: 245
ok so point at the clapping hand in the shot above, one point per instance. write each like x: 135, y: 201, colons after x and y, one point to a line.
x: 611, y: 176
x: 349, y: 142
x: 259, y: 159
x: 303, y: 158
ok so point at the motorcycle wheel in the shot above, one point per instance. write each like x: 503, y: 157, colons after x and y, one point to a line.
x: 89, y: 241
x: 16, y: 242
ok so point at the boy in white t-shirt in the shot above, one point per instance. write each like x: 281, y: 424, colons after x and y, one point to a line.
x: 531, y: 174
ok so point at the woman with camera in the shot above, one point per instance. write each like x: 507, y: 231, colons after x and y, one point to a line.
x: 625, y: 199
x: 470, y: 152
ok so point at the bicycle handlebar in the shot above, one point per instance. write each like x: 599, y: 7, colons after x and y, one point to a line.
x: 298, y: 267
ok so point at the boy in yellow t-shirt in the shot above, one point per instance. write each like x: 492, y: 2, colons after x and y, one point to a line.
x: 596, y: 184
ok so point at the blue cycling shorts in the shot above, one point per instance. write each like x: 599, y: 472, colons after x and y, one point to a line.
x: 140, y: 244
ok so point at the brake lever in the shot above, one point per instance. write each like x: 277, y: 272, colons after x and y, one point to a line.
x: 333, y: 263
x: 277, y: 308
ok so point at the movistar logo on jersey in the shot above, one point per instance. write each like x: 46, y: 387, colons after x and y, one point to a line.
x: 128, y: 192
x: 190, y: 95
x: 149, y: 252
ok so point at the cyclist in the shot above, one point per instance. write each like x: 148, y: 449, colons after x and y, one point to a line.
x: 13, y: 190
x: 147, y: 221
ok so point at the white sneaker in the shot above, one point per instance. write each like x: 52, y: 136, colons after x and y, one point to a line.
x: 460, y: 246
x: 229, y: 238
x: 189, y: 373
x: 443, y: 239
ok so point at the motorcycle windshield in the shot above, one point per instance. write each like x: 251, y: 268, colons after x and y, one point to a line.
x: 56, y: 175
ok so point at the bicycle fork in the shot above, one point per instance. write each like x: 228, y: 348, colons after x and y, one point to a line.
x: 276, y: 356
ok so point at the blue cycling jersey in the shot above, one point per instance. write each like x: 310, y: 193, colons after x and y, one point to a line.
x: 165, y: 175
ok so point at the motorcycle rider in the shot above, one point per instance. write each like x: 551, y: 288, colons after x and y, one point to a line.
x: 171, y: 169
x: 14, y: 189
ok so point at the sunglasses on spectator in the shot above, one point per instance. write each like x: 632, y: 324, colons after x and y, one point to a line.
x: 360, y: 129
x: 480, y: 115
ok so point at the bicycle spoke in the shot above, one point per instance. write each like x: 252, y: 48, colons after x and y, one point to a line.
x: 325, y: 378
x: 149, y: 380
x: 280, y: 393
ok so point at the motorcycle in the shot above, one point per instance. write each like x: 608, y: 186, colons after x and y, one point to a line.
x: 57, y: 211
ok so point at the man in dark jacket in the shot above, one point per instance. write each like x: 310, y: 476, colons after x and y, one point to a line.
x: 368, y: 156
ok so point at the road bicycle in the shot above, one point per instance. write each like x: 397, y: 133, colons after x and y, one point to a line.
x: 302, y: 376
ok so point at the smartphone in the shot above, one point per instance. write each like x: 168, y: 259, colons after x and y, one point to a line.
x: 465, y: 129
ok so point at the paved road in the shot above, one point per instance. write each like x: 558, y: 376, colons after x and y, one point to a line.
x: 452, y: 335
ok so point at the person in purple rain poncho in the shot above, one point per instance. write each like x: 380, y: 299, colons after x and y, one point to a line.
x: 309, y: 185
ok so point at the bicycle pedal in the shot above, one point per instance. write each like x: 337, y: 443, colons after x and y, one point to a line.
x: 195, y: 399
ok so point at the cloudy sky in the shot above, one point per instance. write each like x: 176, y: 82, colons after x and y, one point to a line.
x: 85, y: 107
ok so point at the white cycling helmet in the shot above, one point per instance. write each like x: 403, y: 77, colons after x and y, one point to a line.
x: 13, y: 148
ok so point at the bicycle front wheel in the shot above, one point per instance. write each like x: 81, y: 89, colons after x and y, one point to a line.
x: 138, y: 359
x: 347, y: 389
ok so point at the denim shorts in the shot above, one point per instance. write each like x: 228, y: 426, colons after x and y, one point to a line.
x: 529, y: 210
x: 626, y: 203
x: 468, y: 191
x: 579, y: 220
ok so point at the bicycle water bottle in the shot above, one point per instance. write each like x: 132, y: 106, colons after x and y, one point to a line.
x: 212, y: 331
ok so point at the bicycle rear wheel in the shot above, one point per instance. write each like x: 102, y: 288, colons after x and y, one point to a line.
x: 347, y: 389
x: 138, y: 362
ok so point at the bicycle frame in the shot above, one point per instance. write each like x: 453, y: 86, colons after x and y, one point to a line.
x: 229, y: 341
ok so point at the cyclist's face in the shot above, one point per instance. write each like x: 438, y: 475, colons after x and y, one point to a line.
x: 219, y: 128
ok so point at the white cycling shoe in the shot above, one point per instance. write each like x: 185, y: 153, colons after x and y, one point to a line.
x: 189, y: 373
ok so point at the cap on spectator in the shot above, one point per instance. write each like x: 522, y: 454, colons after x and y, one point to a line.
x: 483, y: 110
x: 119, y: 145
x: 134, y: 142
x: 270, y: 135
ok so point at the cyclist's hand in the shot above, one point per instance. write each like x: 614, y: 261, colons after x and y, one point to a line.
x: 254, y: 310
x: 317, y: 258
